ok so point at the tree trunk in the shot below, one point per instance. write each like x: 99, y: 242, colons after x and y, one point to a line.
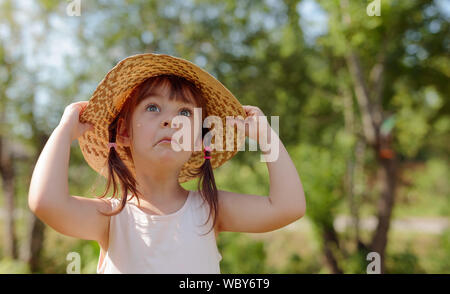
x: 8, y: 187
x: 331, y: 244
x: 35, y: 242
x: 36, y: 227
x: 388, y: 180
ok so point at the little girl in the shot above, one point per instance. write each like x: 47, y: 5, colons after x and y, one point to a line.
x: 126, y: 133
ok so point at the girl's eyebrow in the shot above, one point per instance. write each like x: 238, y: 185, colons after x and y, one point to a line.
x: 155, y: 97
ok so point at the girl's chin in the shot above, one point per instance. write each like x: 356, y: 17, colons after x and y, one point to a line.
x: 166, y: 145
x: 168, y: 153
x: 165, y: 149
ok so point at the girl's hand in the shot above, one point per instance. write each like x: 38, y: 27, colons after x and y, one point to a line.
x: 256, y: 125
x: 71, y: 119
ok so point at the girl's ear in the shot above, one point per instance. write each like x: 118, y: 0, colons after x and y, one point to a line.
x: 122, y: 136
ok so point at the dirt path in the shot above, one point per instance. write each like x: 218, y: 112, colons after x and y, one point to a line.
x: 429, y: 225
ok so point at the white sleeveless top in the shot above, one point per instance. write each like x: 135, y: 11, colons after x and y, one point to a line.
x: 162, y: 244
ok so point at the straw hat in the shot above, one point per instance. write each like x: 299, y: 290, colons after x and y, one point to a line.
x: 109, y: 96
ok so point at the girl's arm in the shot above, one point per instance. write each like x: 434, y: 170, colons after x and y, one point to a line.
x: 286, y: 202
x: 48, y: 196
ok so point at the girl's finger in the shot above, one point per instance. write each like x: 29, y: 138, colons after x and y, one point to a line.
x: 83, y: 106
x: 237, y: 121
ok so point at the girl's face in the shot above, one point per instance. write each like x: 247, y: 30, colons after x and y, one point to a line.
x: 151, y: 121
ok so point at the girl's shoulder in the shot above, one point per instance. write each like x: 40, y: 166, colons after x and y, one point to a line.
x: 113, y: 203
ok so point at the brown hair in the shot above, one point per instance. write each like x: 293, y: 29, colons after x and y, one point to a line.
x: 180, y: 88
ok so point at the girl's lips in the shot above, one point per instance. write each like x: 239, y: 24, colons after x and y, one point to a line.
x: 164, y: 141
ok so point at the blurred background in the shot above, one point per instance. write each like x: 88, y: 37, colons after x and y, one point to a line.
x: 361, y: 89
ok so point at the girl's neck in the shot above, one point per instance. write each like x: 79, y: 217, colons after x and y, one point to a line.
x: 158, y: 186
x: 161, y: 194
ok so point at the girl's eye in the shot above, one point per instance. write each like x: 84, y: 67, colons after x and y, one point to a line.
x: 187, y: 111
x: 150, y: 106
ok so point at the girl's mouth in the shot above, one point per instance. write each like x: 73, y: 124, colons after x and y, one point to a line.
x: 165, y: 141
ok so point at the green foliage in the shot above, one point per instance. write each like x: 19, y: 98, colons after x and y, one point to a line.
x: 297, y: 264
x: 241, y: 255
x: 89, y: 252
x: 405, y: 262
x: 11, y: 266
x: 442, y: 256
x: 356, y: 263
x: 321, y: 171
x: 414, y: 112
x: 425, y: 191
x: 57, y: 247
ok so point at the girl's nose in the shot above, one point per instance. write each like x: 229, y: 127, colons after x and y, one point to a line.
x: 168, y: 122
